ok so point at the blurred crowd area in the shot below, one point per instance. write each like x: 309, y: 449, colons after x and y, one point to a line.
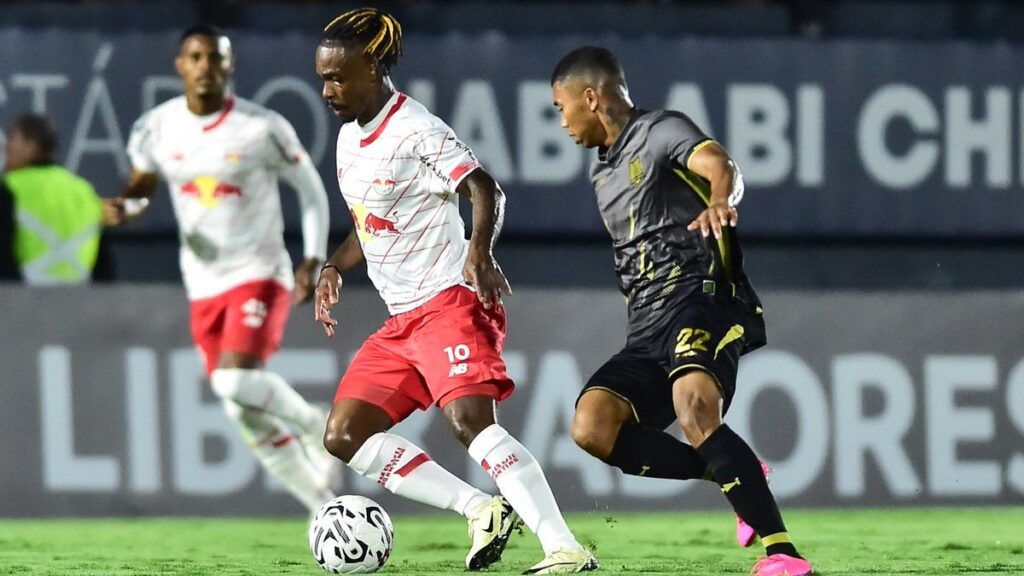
x: 914, y: 19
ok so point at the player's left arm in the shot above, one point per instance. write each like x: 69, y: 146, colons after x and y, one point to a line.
x: 711, y: 162
x: 296, y: 168
x: 481, y: 270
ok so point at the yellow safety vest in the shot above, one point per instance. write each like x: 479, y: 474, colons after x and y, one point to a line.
x: 58, y: 219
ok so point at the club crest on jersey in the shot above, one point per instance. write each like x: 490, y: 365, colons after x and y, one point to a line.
x: 384, y: 182
x: 209, y: 191
x: 636, y: 171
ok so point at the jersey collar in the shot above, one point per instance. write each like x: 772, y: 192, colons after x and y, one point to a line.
x: 212, y: 120
x: 604, y: 154
x: 373, y: 129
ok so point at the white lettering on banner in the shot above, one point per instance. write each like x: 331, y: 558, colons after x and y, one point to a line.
x: 97, y: 101
x: 317, y: 145
x: 549, y: 419
x: 142, y: 405
x: 1015, y: 406
x: 63, y: 470
x: 192, y: 422
x: 881, y: 435
x: 686, y: 97
x: 546, y: 154
x: 789, y: 374
x: 883, y: 107
x: 989, y: 136
x: 548, y: 385
x: 810, y: 135
x: 947, y: 425
x: 758, y: 119
x: 476, y: 120
x: 38, y: 84
x: 154, y: 86
x: 1020, y: 127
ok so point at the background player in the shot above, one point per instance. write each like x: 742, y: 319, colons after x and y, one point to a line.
x: 221, y: 156
x: 691, y: 311
x: 401, y: 171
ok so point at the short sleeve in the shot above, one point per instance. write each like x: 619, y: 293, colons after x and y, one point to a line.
x: 447, y: 157
x: 141, y: 142
x: 678, y: 136
x: 284, y: 148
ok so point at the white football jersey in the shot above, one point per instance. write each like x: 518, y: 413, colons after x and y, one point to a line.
x: 398, y: 174
x: 222, y: 171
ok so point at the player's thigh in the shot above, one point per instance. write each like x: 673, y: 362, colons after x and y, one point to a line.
x: 598, y: 420
x: 255, y: 320
x: 640, y: 385
x: 380, y: 376
x: 206, y: 320
x: 703, y: 349
x: 458, y: 348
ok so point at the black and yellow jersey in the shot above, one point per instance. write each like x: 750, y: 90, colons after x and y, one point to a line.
x: 647, y: 197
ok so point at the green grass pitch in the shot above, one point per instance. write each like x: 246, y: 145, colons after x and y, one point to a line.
x: 973, y: 541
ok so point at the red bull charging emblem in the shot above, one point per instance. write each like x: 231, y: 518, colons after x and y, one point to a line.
x: 209, y: 191
x: 369, y: 225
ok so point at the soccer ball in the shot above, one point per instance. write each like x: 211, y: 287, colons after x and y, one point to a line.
x: 351, y: 535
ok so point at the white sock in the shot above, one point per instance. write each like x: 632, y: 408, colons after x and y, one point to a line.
x: 267, y: 391
x: 405, y: 469
x: 281, y: 455
x: 522, y: 483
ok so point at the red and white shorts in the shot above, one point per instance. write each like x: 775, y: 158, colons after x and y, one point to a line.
x: 247, y: 319
x: 448, y: 348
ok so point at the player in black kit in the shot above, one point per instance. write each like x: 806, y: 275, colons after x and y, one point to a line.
x: 668, y: 196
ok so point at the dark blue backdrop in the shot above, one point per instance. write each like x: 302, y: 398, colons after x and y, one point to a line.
x: 835, y: 138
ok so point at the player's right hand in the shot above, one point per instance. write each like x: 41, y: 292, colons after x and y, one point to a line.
x: 113, y: 212
x: 328, y: 289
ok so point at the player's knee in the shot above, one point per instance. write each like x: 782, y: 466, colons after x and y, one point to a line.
x: 591, y: 435
x: 342, y: 439
x: 468, y: 416
x: 226, y: 382
x: 697, y: 407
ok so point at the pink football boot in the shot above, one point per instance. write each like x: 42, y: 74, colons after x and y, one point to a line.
x: 782, y: 565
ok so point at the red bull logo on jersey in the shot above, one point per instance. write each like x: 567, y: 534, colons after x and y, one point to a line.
x: 369, y: 225
x: 209, y: 191
x: 384, y: 182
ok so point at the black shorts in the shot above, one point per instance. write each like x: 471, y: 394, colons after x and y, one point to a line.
x: 701, y: 332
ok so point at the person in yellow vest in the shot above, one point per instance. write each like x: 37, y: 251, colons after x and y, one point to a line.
x: 56, y: 216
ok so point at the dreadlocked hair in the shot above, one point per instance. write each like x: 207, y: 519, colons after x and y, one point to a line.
x: 378, y: 31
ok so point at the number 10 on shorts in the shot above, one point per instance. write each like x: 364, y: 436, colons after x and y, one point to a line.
x: 456, y: 355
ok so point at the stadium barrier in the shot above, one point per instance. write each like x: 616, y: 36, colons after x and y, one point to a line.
x: 860, y: 399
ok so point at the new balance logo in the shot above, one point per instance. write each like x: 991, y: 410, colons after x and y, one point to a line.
x: 458, y: 370
x: 730, y: 485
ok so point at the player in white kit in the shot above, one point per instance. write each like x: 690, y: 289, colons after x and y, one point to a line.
x: 401, y: 171
x: 221, y: 157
